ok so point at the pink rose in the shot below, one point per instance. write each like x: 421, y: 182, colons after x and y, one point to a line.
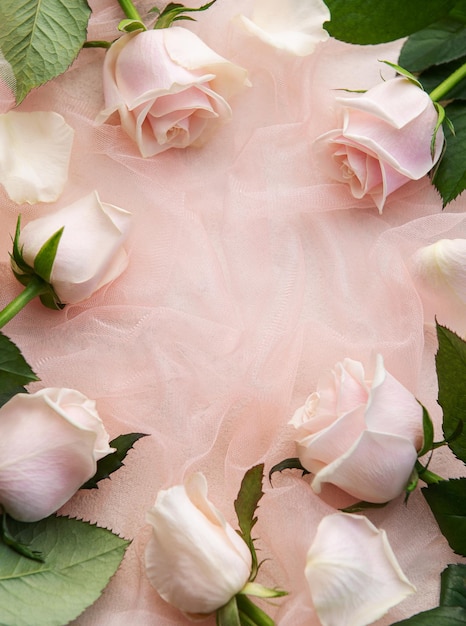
x: 384, y: 141
x: 169, y: 88
x: 360, y: 435
x: 50, y: 442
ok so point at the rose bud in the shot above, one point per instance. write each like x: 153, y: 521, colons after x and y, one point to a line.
x: 194, y: 559
x: 385, y: 139
x: 90, y: 252
x: 50, y: 442
x: 353, y: 575
x: 439, y: 271
x: 360, y: 435
x: 169, y: 88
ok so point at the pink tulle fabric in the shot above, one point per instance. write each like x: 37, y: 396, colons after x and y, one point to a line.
x: 250, y: 273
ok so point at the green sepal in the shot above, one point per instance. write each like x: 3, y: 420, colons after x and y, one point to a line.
x: 246, y: 504
x: 440, y: 120
x: 428, y: 431
x: 255, y: 589
x: 403, y: 72
x: 129, y: 26
x: 45, y: 258
x: 113, y: 461
x: 16, y: 255
x: 362, y: 505
x: 228, y: 615
x: 451, y: 373
x: 15, y: 372
x: 250, y: 614
x: 174, y: 11
x: 291, y: 463
x: 447, y: 501
x: 51, y: 300
x: 453, y: 586
x: 19, y: 547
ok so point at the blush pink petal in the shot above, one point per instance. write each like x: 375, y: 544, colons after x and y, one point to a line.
x: 375, y: 469
x: 353, y: 575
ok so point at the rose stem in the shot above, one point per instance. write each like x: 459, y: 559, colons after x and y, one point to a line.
x: 34, y: 288
x: 441, y: 90
x: 130, y: 10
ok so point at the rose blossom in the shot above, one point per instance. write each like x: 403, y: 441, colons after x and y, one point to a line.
x: 353, y: 575
x: 169, y: 88
x: 439, y: 271
x: 360, y: 435
x: 384, y: 140
x: 90, y: 253
x: 295, y: 26
x: 194, y: 559
x: 50, y: 442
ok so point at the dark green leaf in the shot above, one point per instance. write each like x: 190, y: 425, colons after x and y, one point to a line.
x: 435, y: 75
x: 246, y: 504
x: 451, y: 373
x: 440, y: 616
x: 45, y: 258
x: 112, y: 462
x: 14, y: 370
x: 41, y: 38
x: 376, y: 21
x: 292, y: 463
x: 228, y: 615
x: 453, y: 586
x: 447, y: 500
x: 439, y: 43
x: 80, y: 559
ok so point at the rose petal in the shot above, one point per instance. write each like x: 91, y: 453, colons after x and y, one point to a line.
x: 35, y: 151
x: 291, y: 25
x: 353, y: 575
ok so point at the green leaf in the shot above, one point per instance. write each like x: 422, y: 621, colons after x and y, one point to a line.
x: 450, y: 175
x: 453, y: 586
x: 451, y: 373
x: 377, y: 21
x: 16, y: 545
x: 112, y: 462
x: 435, y: 75
x: 447, y: 500
x: 228, y: 615
x: 440, y: 616
x: 41, y: 38
x: 80, y: 559
x: 246, y: 504
x: 45, y: 258
x: 14, y: 370
x: 291, y: 463
x: 439, y: 43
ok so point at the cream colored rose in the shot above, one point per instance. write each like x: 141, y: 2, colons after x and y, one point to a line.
x: 90, y: 253
x: 384, y: 140
x: 50, y: 442
x: 353, y: 574
x: 295, y: 26
x: 360, y: 435
x: 194, y: 559
x: 169, y: 88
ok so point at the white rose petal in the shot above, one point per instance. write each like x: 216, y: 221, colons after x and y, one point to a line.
x: 35, y: 151
x: 353, y: 575
x: 291, y: 25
